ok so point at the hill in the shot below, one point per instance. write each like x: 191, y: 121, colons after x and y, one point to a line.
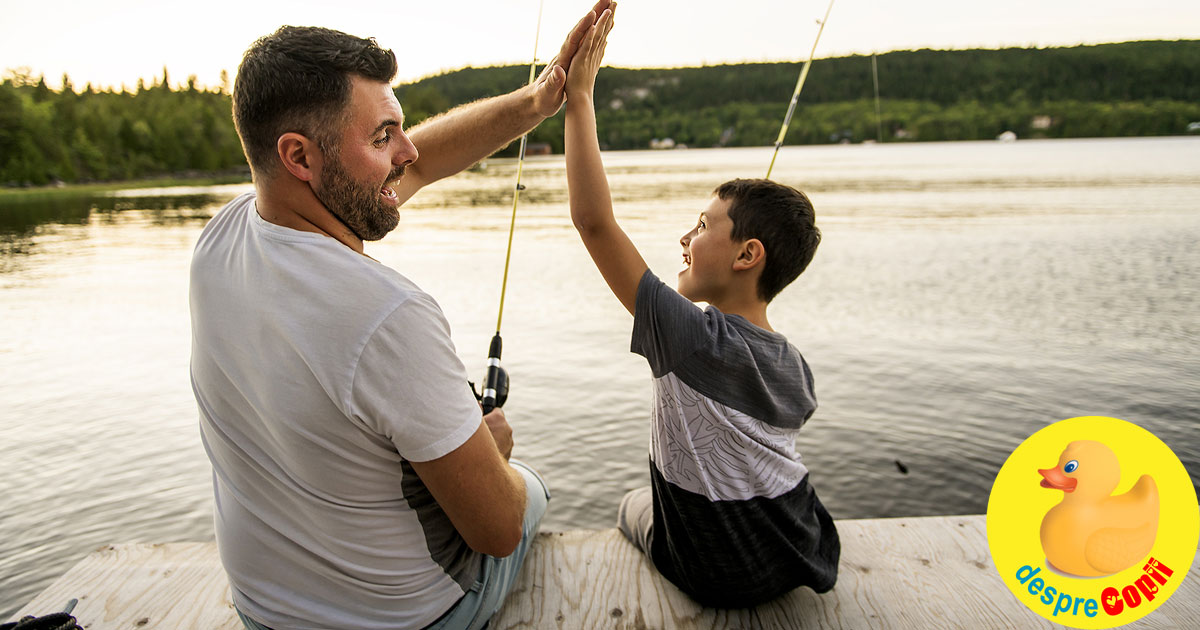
x: 1135, y: 88
x: 1129, y: 89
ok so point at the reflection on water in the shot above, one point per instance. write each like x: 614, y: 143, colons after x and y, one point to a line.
x: 18, y: 215
x: 29, y: 223
x: 964, y: 296
x: 21, y: 215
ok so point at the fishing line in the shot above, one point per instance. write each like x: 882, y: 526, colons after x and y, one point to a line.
x: 799, y: 85
x: 495, y: 385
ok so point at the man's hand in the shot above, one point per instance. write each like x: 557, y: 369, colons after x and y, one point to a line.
x: 548, y: 92
x: 501, y: 432
x: 452, y: 141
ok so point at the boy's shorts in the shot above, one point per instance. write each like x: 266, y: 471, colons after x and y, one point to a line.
x: 635, y: 519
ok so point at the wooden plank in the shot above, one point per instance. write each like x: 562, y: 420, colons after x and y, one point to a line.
x: 929, y: 572
x: 176, y: 586
x: 894, y: 573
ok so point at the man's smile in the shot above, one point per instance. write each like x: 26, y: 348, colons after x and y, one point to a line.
x: 388, y: 190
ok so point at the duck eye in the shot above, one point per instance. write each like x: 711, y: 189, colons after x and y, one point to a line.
x: 1071, y: 466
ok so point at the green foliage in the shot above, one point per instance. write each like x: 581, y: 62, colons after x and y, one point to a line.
x: 48, y: 136
x: 1138, y: 88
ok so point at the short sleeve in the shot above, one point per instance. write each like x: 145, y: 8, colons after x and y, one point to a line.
x: 410, y: 386
x: 667, y: 327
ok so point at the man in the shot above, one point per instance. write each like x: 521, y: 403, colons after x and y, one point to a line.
x: 356, y: 483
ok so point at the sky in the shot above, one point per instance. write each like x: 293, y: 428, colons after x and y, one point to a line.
x: 116, y: 42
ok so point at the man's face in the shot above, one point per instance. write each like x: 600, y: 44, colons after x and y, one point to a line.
x: 360, y: 173
x: 708, y: 254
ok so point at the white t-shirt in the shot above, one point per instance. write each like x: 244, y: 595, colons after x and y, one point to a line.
x: 319, y: 373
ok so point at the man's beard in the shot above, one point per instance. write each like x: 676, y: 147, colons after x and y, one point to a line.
x: 359, y: 206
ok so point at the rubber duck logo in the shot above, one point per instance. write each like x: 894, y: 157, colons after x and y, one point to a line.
x: 1101, y: 537
x: 1092, y: 532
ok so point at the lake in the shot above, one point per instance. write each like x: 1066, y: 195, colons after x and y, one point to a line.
x: 964, y: 296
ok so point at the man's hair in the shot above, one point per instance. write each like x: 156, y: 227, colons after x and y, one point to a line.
x: 297, y: 79
x: 779, y: 216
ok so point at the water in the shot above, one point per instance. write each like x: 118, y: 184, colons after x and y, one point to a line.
x: 965, y: 295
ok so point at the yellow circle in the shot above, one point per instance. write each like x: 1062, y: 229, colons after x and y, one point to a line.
x: 1019, y: 504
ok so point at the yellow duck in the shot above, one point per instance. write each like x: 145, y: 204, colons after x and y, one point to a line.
x: 1091, y: 533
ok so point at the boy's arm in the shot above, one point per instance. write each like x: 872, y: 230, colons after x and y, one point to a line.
x: 591, y: 204
x: 454, y: 140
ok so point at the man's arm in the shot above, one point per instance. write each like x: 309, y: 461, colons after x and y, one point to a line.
x: 454, y: 140
x: 482, y: 495
x: 591, y: 203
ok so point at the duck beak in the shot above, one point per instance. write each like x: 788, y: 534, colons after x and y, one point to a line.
x: 1055, y: 479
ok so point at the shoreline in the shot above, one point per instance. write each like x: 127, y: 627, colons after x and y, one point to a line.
x: 66, y: 190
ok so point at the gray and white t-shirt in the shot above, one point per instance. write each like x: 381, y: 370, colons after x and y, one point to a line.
x: 735, y: 521
x: 319, y: 374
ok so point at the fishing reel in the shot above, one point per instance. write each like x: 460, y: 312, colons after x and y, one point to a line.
x: 495, y: 383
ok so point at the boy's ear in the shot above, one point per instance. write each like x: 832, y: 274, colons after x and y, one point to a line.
x: 752, y: 254
x: 299, y: 154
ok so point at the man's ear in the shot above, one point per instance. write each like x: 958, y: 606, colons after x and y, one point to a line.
x: 299, y: 154
x: 752, y: 254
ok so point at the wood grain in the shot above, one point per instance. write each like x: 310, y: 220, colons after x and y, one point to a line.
x: 177, y: 585
x: 894, y: 573
x: 902, y: 573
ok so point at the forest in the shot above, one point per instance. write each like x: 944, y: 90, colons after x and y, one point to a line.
x: 1130, y: 89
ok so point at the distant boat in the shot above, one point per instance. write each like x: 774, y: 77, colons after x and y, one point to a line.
x: 1007, y: 136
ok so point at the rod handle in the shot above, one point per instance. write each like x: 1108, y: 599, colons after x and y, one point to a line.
x: 495, y: 383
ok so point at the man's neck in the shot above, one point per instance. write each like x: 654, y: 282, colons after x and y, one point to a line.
x: 293, y: 205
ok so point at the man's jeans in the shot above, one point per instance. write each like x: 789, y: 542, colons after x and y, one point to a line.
x: 497, y: 576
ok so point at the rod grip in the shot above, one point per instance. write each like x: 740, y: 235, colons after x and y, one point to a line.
x: 495, y: 383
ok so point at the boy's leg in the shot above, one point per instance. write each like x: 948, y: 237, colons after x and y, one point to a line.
x: 487, y: 595
x: 249, y: 623
x: 635, y: 519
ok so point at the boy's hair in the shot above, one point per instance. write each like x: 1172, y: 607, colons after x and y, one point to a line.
x: 297, y: 79
x: 779, y: 216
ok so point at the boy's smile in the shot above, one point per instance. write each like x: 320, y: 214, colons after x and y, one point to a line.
x: 708, y: 254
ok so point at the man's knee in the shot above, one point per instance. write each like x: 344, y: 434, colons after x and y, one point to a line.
x: 537, y: 494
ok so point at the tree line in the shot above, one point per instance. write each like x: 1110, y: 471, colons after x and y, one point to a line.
x: 100, y: 135
x: 1129, y: 89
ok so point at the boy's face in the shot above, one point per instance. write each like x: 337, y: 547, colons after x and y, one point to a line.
x: 708, y: 254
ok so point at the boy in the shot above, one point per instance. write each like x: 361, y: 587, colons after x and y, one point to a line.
x: 730, y: 517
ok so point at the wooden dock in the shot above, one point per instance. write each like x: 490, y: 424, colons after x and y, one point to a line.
x: 919, y: 573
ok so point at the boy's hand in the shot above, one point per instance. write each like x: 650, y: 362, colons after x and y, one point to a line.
x: 587, y: 186
x: 548, y: 88
x: 581, y: 77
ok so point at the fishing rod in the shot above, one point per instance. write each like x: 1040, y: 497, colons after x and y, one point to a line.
x: 799, y: 85
x: 495, y: 383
